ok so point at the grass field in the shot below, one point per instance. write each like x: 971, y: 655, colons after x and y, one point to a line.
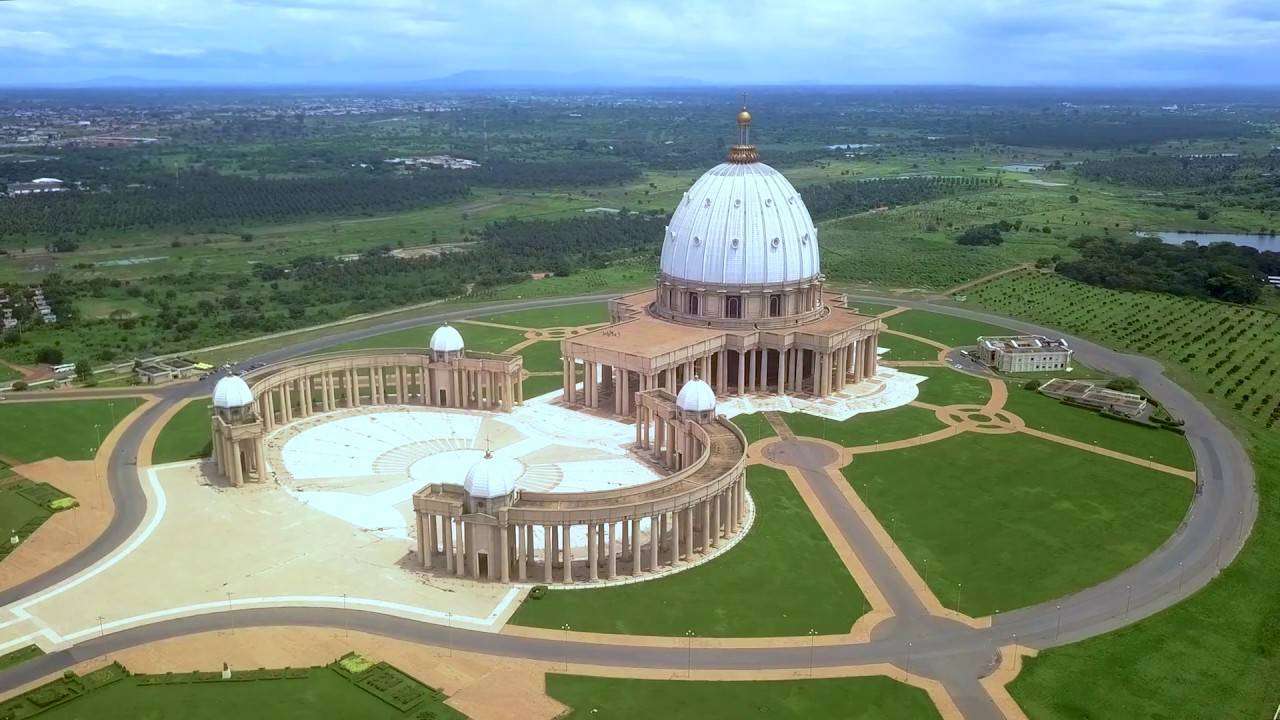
x: 186, y: 436
x: 70, y: 429
x: 951, y: 387
x: 870, y: 698
x: 542, y: 356
x: 754, y: 426
x: 783, y: 578
x: 476, y: 337
x: 7, y: 373
x: 870, y: 428
x: 993, y: 525
x: 901, y: 348
x: 563, y: 316
x: 320, y: 692
x: 536, y: 385
x: 1045, y: 413
x: 870, y: 308
x: 1210, y: 656
x: 950, y: 331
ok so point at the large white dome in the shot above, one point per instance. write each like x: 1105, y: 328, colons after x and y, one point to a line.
x: 741, y: 224
x: 232, y: 392
x: 446, y: 338
x: 493, y: 477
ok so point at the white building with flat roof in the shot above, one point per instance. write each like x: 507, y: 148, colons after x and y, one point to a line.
x: 1024, y: 353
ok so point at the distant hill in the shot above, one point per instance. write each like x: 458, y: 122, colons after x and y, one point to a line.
x: 496, y: 79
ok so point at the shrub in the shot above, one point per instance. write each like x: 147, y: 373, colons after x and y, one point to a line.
x: 20, y: 385
x: 537, y: 592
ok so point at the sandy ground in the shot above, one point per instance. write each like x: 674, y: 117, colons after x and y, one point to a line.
x: 67, y: 532
x: 250, y: 547
x: 70, y: 531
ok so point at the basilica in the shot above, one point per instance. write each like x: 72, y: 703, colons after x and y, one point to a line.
x: 739, y: 302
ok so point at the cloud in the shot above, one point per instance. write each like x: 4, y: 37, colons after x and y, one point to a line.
x: 727, y: 41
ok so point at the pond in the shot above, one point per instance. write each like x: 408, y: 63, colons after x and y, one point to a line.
x: 1023, y: 167
x: 1253, y: 240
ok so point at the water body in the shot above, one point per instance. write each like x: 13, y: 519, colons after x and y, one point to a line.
x: 853, y: 146
x: 1023, y: 167
x: 1177, y: 237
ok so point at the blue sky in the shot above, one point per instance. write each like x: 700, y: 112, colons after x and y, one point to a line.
x: 731, y: 42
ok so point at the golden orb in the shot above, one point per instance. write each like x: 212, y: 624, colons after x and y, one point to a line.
x: 744, y: 117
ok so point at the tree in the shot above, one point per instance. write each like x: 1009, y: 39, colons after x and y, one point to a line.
x: 49, y: 355
x: 84, y: 371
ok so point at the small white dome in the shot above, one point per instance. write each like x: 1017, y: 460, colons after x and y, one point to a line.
x: 446, y: 338
x: 493, y: 477
x: 741, y: 224
x: 696, y: 396
x: 232, y: 392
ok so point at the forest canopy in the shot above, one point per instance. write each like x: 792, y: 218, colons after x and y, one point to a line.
x: 1221, y: 271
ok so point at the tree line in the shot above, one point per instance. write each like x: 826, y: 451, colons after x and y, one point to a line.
x: 1220, y: 271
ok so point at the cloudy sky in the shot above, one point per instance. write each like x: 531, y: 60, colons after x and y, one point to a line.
x: 735, y: 42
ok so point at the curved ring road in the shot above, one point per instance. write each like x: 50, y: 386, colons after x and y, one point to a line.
x: 1214, y: 530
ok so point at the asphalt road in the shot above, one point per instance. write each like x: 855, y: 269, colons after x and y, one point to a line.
x: 1213, y: 531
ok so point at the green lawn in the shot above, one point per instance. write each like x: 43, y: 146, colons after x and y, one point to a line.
x: 951, y: 331
x: 536, y: 385
x: 1014, y: 519
x: 562, y: 316
x: 754, y: 426
x: 951, y: 387
x: 476, y: 337
x: 868, y: 698
x: 783, y: 578
x: 1212, y: 655
x: 868, y: 428
x: 323, y: 693
x: 19, y: 656
x: 20, y: 514
x: 901, y: 348
x: 870, y: 308
x: 542, y: 356
x: 31, y: 431
x: 7, y: 373
x: 186, y: 436
x: 1045, y: 413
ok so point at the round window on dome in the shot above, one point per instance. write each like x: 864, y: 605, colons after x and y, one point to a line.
x: 707, y: 202
x: 768, y: 202
x: 734, y: 243
x: 697, y: 240
x: 775, y: 242
x: 737, y: 203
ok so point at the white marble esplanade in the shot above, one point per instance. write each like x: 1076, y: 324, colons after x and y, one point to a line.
x: 888, y: 389
x: 363, y: 465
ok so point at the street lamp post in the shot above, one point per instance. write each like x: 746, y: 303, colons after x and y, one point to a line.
x: 565, y: 628
x: 1058, y: 633
x: 812, y: 636
x: 688, y: 672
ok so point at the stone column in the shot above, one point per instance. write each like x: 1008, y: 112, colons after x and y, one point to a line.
x: 706, y: 526
x: 568, y: 556
x: 423, y: 558
x: 751, y: 371
x: 611, y: 563
x: 548, y: 552
x: 473, y: 550
x: 715, y: 520
x: 504, y: 571
x: 675, y: 537
x: 654, y: 527
x: 637, y: 557
x: 782, y: 371
x: 567, y: 379
x: 593, y: 558
x: 446, y: 528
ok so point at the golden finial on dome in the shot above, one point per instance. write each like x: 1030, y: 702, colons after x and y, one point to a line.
x: 744, y: 151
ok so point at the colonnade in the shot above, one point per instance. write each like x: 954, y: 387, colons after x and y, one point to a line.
x: 515, y: 551
x: 781, y: 371
x: 328, y: 385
